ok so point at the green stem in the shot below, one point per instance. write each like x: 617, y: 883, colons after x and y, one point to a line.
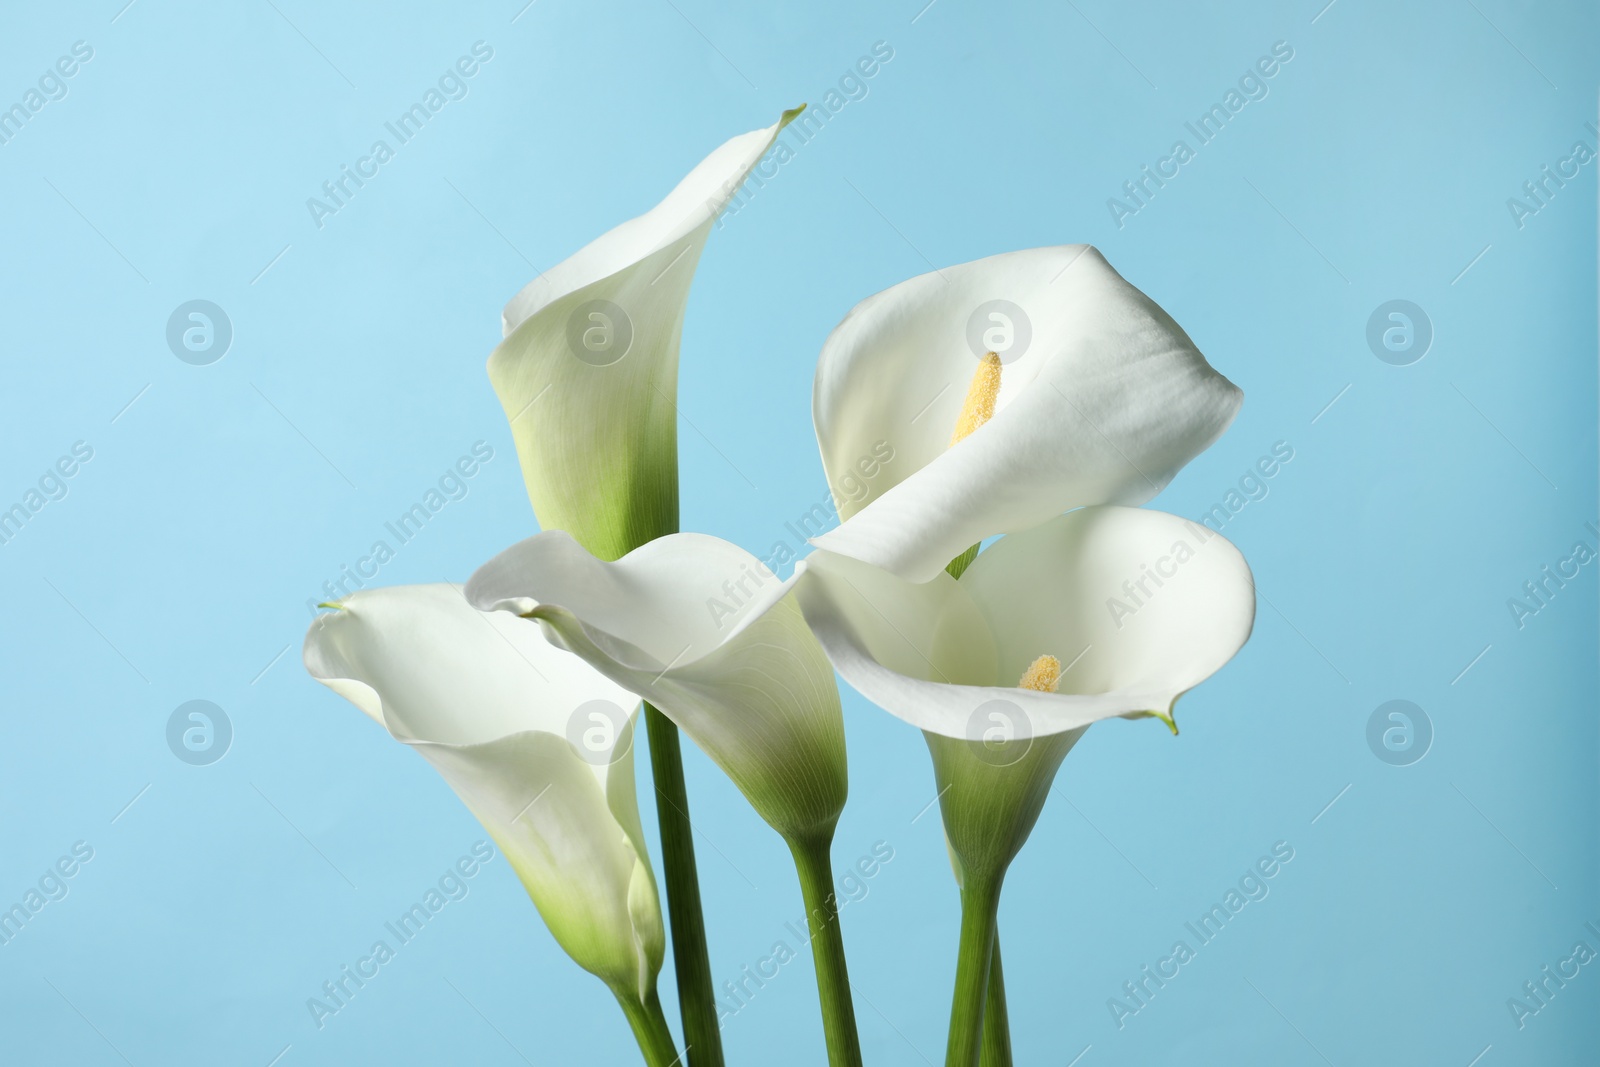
x: 650, y: 1028
x: 812, y: 863
x: 958, y: 566
x: 996, y: 1024
x: 980, y: 905
x: 697, y: 1003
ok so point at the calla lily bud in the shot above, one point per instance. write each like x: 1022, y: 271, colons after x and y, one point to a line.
x: 1066, y: 386
x: 588, y: 370
x: 704, y: 632
x: 534, y: 742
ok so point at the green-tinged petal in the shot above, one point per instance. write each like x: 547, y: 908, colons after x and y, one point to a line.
x: 534, y: 742
x: 991, y: 794
x: 588, y: 370
x: 704, y: 632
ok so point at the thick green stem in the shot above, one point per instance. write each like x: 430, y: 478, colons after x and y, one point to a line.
x: 649, y: 1028
x: 697, y: 1003
x: 980, y: 905
x: 996, y: 1024
x: 815, y: 868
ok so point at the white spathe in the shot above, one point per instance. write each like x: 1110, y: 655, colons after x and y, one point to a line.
x: 701, y: 629
x: 1138, y: 605
x: 588, y: 371
x: 1103, y: 399
x: 491, y: 705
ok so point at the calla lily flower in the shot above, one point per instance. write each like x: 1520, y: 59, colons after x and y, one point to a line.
x: 588, y: 370
x: 1096, y: 397
x: 706, y: 633
x: 1140, y: 606
x: 539, y: 748
x: 699, y: 628
x: 1104, y: 611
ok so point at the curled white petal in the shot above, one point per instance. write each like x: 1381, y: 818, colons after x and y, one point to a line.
x: 685, y: 213
x: 702, y: 630
x: 1079, y: 587
x: 491, y: 705
x: 588, y: 370
x: 1103, y: 399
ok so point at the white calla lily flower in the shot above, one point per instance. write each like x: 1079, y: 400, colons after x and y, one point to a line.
x: 1104, y: 611
x: 1138, y: 607
x: 1097, y: 397
x: 706, y: 634
x: 536, y: 744
x: 703, y: 631
x: 588, y: 370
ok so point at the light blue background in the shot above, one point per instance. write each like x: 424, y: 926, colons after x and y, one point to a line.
x: 179, y: 564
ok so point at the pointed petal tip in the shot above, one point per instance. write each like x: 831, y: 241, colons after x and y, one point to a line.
x: 1171, y: 717
x: 1165, y: 716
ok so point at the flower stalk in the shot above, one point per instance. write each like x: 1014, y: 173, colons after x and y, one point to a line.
x: 815, y: 869
x: 980, y: 906
x: 697, y: 1003
x: 649, y: 1024
x: 996, y: 1023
